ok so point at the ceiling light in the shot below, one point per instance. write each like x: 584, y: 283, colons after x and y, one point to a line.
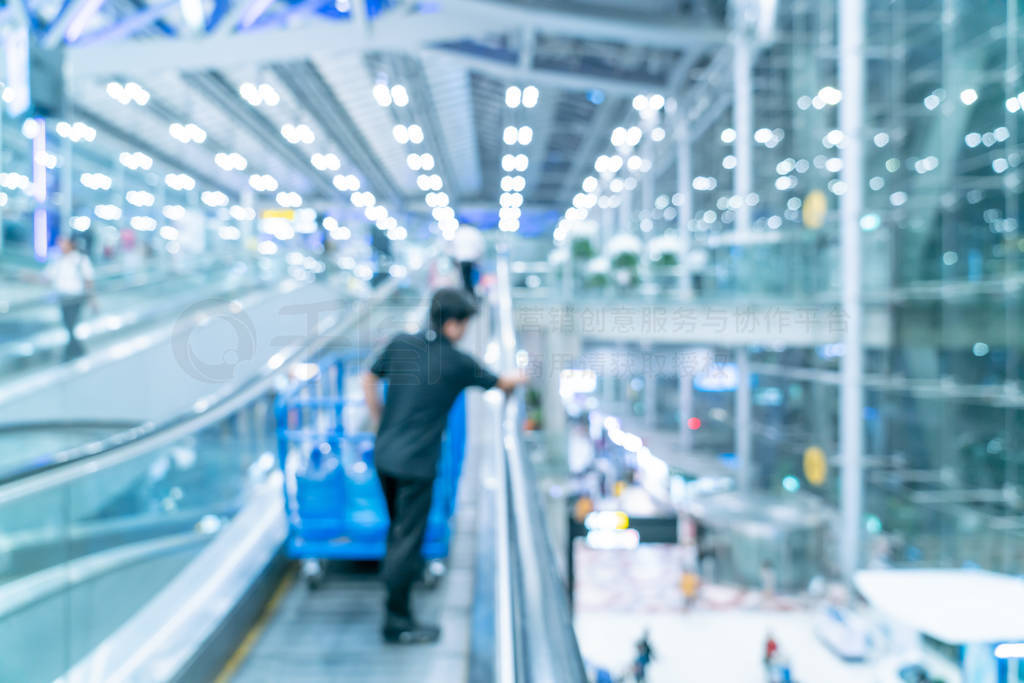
x: 139, y: 198
x: 269, y: 95
x: 346, y: 183
x: 510, y: 136
x: 174, y: 212
x: 382, y: 94
x: 93, y: 181
x: 289, y: 200
x: 415, y: 134
x: 107, y: 212
x: 525, y: 135
x: 399, y: 95
x: 400, y: 133
x: 180, y: 181
x: 30, y: 128
x: 143, y: 223
x: 513, y: 97
x: 530, y: 96
x: 214, y: 198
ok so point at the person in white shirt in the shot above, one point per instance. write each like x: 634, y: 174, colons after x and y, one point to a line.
x: 71, y: 275
x: 468, y: 247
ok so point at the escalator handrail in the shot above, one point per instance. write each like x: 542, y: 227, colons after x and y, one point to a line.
x: 71, y: 464
x: 545, y: 647
x: 103, y: 288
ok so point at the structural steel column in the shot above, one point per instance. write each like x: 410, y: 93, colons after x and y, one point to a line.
x: 626, y: 222
x: 744, y: 433
x: 684, y: 186
x: 650, y: 395
x: 743, y: 124
x: 685, y: 408
x: 851, y: 408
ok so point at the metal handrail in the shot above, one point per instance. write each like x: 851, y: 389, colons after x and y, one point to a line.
x: 533, y: 602
x: 77, y: 462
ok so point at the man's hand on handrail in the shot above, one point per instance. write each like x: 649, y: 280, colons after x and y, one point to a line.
x: 510, y: 380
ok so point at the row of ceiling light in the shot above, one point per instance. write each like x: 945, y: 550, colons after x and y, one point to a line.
x: 432, y: 184
x: 510, y: 201
x: 607, y: 166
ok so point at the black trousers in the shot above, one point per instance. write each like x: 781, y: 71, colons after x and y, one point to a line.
x: 409, y: 507
x: 71, y: 311
x: 467, y: 268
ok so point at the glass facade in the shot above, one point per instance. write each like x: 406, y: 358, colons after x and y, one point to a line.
x: 941, y: 272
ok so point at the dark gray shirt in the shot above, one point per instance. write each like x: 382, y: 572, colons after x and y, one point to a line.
x: 425, y: 374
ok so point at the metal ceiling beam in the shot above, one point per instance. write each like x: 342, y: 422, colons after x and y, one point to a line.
x: 677, y: 77
x: 218, y: 92
x: 129, y: 26
x: 594, y: 140
x: 422, y: 102
x: 75, y: 12
x: 620, y: 27
x: 543, y: 121
x: 310, y: 90
x: 250, y: 10
x: 392, y: 31
x: 565, y: 80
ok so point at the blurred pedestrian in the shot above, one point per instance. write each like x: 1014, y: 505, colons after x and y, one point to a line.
x: 644, y: 656
x: 71, y: 275
x: 468, y: 247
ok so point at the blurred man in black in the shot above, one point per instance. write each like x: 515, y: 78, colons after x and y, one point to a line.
x: 425, y: 374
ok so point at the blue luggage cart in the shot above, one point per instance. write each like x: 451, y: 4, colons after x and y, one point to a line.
x: 333, y: 499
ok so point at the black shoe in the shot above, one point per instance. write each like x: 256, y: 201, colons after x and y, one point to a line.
x: 406, y: 631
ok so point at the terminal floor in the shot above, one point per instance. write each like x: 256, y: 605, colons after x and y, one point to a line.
x: 620, y: 594
x: 706, y: 646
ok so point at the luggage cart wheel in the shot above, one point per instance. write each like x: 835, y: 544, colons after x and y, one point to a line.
x: 433, y: 573
x: 313, y: 572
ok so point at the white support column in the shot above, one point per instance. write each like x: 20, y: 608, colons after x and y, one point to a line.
x: 3, y: 117
x: 744, y: 432
x: 248, y: 226
x: 851, y: 408
x: 625, y: 212
x: 608, y: 390
x: 684, y: 186
x: 743, y: 124
x: 650, y: 395
x: 685, y: 408
x: 607, y: 218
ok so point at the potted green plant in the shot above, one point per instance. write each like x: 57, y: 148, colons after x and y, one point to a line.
x: 583, y: 241
x: 663, y: 252
x: 623, y: 253
x: 597, y: 273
